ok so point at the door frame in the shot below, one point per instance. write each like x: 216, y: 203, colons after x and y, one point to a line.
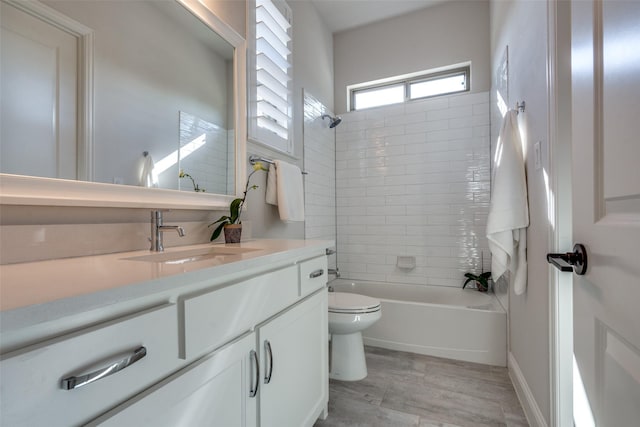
x: 84, y: 117
x: 560, y: 210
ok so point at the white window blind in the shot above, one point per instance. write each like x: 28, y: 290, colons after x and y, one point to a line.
x: 270, y: 75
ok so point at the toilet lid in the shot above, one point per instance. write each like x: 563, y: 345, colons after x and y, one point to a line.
x: 344, y: 302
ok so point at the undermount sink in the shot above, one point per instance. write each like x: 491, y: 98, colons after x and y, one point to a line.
x: 192, y: 255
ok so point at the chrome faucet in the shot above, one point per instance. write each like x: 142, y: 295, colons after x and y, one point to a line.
x: 157, y: 230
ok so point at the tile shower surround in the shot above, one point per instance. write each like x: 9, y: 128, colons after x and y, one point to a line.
x: 320, y: 181
x: 414, y: 180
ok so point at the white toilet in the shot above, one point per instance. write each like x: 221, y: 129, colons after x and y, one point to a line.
x: 349, y: 314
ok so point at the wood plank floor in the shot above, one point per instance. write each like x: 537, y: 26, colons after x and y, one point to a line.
x: 406, y: 389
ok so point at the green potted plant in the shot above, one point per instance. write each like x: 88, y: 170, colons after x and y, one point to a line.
x: 481, y: 280
x: 231, y: 223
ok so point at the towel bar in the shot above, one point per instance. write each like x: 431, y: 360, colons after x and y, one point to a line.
x: 253, y: 159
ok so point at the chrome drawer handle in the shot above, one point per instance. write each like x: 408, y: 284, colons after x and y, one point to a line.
x: 267, y: 348
x: 316, y: 273
x: 73, y: 382
x: 254, y: 389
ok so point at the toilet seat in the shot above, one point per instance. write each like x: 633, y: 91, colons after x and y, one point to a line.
x: 348, y: 303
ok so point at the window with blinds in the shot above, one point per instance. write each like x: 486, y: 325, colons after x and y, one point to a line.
x: 270, y: 75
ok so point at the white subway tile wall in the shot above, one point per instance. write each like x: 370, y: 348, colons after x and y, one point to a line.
x: 414, y: 180
x: 320, y: 181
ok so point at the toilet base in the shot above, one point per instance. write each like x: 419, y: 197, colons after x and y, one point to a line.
x: 347, y: 357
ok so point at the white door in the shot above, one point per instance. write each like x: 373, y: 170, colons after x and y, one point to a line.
x: 606, y: 210
x: 38, y: 68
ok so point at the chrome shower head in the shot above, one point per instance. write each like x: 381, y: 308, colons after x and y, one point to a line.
x: 333, y: 121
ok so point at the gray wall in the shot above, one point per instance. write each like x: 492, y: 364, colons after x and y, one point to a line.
x: 233, y: 12
x: 521, y: 25
x: 437, y: 36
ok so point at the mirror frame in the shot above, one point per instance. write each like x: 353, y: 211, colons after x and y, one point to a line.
x: 37, y: 191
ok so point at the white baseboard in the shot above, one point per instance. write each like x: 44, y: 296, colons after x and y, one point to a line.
x: 529, y: 405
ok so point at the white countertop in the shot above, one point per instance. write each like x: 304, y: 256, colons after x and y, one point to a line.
x: 35, y: 292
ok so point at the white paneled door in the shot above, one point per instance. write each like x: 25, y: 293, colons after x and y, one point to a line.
x: 39, y: 96
x: 606, y: 210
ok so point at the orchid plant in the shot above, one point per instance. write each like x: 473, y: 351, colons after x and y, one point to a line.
x: 482, y: 280
x: 235, y: 208
x: 196, y: 187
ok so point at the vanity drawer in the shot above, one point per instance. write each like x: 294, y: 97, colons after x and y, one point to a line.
x: 31, y: 390
x: 313, y: 275
x: 216, y: 317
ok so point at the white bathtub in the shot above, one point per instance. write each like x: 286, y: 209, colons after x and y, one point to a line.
x: 439, y: 321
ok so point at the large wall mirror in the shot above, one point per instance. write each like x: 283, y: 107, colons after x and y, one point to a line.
x: 120, y: 103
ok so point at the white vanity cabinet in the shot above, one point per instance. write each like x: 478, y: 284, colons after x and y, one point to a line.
x: 240, y: 349
x: 278, y: 372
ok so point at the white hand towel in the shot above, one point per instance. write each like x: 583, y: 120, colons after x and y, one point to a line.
x: 289, y: 191
x: 509, y: 210
x: 271, y: 195
x: 145, y: 178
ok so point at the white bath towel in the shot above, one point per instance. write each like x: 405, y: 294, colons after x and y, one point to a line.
x: 145, y: 177
x: 509, y: 211
x: 271, y: 195
x: 288, y: 189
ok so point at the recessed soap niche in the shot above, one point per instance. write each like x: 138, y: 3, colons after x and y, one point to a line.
x: 406, y: 262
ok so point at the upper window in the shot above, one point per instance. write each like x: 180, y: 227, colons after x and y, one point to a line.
x: 405, y: 89
x: 270, y: 71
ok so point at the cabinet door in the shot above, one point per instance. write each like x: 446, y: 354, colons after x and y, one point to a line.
x: 293, y: 350
x: 213, y: 391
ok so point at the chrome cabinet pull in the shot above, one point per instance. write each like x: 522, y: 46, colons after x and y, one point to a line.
x: 267, y: 350
x: 254, y: 389
x: 316, y: 273
x: 77, y: 381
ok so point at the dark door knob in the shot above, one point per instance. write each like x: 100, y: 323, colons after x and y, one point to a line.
x: 575, y: 261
